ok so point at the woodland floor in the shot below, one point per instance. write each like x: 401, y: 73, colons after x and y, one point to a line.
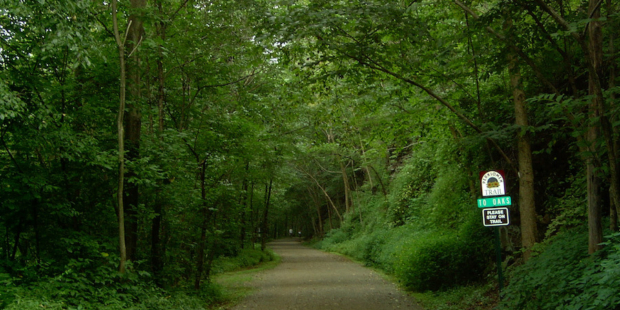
x: 309, y: 279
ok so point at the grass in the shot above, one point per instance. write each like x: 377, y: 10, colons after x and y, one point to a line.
x: 479, y: 297
x: 236, y: 284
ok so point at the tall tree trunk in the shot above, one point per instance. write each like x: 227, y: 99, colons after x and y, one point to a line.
x: 245, y: 203
x: 156, y: 257
x: 121, y: 141
x: 317, y: 205
x: 343, y: 170
x: 35, y: 222
x: 264, y: 232
x: 133, y: 125
x: 203, y: 228
x: 592, y: 49
x: 596, y: 59
x: 18, y: 233
x: 614, y: 209
x: 7, y: 242
x: 365, y: 166
x: 329, y: 217
x: 252, y: 214
x: 348, y: 201
x: 527, y: 206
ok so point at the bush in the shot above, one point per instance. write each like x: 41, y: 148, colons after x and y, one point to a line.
x: 246, y: 258
x: 564, y: 276
x: 96, y: 284
x: 447, y: 260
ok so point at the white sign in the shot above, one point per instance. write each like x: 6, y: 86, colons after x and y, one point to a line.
x: 495, y: 217
x: 492, y: 183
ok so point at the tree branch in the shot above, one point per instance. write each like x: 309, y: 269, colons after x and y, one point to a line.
x: 515, y: 48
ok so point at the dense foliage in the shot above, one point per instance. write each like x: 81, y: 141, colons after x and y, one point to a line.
x: 563, y: 276
x: 147, y: 145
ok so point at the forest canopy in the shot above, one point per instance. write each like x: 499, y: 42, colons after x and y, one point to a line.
x: 143, y: 143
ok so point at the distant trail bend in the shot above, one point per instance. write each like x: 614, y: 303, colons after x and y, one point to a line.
x: 308, y: 279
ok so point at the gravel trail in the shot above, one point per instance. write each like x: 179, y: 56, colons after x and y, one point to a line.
x: 308, y: 279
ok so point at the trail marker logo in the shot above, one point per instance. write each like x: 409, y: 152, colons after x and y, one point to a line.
x: 492, y: 183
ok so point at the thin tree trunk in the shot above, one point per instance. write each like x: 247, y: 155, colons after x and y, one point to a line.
x: 264, y: 232
x: 253, y: 215
x: 329, y: 216
x: 20, y: 226
x: 245, y: 204
x: 7, y: 244
x: 595, y: 226
x: 318, y: 210
x: 475, y: 58
x: 133, y: 126
x: 527, y: 207
x: 348, y: 201
x: 614, y: 209
x: 37, y: 237
x: 328, y: 198
x: 345, y: 179
x: 156, y: 257
x: 383, y: 189
x: 203, y: 228
x: 121, y: 141
x: 365, y: 166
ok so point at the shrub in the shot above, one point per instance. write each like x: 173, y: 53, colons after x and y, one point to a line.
x: 564, y: 276
x: 245, y: 258
x: 96, y: 284
x: 445, y: 260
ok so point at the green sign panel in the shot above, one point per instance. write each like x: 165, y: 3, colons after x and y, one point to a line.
x: 494, y: 202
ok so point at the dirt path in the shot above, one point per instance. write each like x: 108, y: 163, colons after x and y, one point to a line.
x: 309, y: 279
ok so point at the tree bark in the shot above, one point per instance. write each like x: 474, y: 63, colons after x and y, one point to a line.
x: 317, y: 206
x: 121, y: 141
x: 348, y: 201
x: 133, y: 125
x: 156, y: 260
x: 595, y: 226
x: 614, y: 206
x: 203, y: 228
x: 245, y: 203
x: 527, y: 206
x: 253, y: 215
x: 264, y: 232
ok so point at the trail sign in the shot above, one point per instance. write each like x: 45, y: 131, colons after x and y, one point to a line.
x: 494, y: 202
x: 492, y: 183
x: 495, y: 217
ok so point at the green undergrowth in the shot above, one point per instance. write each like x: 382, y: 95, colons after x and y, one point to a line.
x: 234, y: 284
x: 564, y: 276
x: 425, y: 233
x: 419, y: 259
x: 479, y: 297
x: 246, y: 258
x: 96, y: 284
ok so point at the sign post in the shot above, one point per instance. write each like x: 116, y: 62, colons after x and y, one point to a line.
x: 498, y: 255
x: 493, y: 186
